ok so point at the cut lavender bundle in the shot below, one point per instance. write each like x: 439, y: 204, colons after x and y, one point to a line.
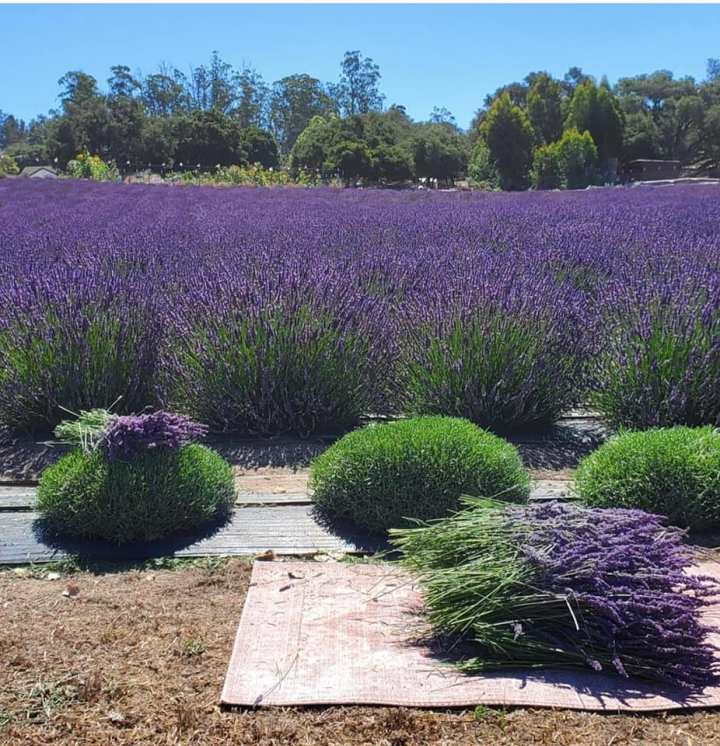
x: 127, y: 436
x: 558, y: 586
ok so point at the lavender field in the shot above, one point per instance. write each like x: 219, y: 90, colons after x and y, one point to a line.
x: 292, y: 310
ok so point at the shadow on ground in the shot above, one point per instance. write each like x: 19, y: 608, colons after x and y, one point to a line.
x: 560, y: 446
x: 350, y: 532
x: 89, y: 551
x: 23, y: 457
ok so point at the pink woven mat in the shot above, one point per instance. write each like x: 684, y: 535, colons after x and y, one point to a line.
x: 330, y: 633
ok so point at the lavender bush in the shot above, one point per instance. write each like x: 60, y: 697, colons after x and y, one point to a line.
x: 72, y: 338
x: 559, y: 586
x: 659, y: 363
x: 283, y: 350
x: 286, y: 309
x: 500, y: 351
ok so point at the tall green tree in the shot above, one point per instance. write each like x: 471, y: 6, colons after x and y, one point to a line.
x: 258, y: 146
x: 208, y: 139
x: 251, y: 99
x: 594, y: 108
x: 358, y: 91
x: 12, y: 130
x: 85, y: 120
x: 164, y: 93
x: 439, y: 152
x: 126, y: 118
x: 544, y: 107
x: 508, y: 134
x: 294, y: 101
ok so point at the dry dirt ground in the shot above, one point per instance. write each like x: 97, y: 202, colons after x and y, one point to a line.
x: 138, y: 656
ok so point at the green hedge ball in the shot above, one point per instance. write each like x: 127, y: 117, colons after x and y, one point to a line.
x: 383, y: 476
x: 673, y: 471
x: 152, y: 495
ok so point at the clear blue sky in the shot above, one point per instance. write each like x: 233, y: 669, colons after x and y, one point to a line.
x: 429, y: 55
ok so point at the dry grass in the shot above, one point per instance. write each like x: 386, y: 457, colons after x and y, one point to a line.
x: 138, y: 657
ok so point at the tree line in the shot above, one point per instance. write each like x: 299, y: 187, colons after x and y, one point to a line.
x: 542, y: 131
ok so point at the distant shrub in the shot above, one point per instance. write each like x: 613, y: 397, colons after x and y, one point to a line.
x: 8, y: 167
x: 671, y: 471
x: 86, y: 166
x: 72, y: 339
x: 659, y: 362
x: 248, y: 360
x: 546, y: 172
x: 383, y: 475
x: 253, y: 175
x: 153, y: 494
x: 568, y: 163
x: 481, y: 169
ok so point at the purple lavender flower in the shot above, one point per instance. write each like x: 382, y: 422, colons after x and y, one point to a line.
x: 132, y: 434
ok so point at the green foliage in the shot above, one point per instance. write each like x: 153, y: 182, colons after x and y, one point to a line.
x: 351, y: 158
x: 658, y: 365
x: 154, y: 494
x: 27, y: 153
x: 294, y: 101
x: 568, y: 163
x: 369, y: 147
x: 439, y: 152
x: 358, y: 91
x: 243, y: 176
x: 8, y: 167
x: 499, y: 370
x: 85, y: 430
x: 544, y: 107
x: 671, y: 471
x: 508, y: 135
x: 391, y: 163
x: 481, y: 168
x: 595, y: 109
x: 86, y: 166
x: 208, y: 139
x: 546, y: 172
x: 258, y: 147
x: 286, y: 370
x: 383, y: 475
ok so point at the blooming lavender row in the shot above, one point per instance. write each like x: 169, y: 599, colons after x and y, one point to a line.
x: 290, y: 309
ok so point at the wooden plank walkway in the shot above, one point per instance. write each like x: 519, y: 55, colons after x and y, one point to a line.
x: 287, y: 529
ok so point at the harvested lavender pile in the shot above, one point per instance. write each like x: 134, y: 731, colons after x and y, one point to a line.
x: 131, y: 434
x: 561, y: 586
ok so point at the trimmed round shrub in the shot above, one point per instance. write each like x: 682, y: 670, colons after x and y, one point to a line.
x: 671, y: 471
x: 382, y: 475
x: 150, y: 495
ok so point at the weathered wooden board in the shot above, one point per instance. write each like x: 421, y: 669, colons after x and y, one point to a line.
x: 17, y: 498
x: 287, y: 529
